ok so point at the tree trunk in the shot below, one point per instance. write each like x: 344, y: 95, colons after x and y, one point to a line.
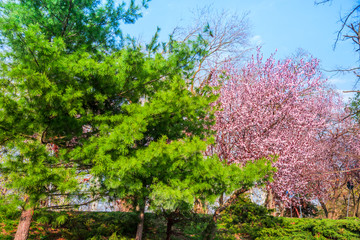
x: 354, y: 201
x: 333, y: 207
x: 269, y: 202
x: 282, y: 211
x: 140, y: 227
x: 23, y: 228
x: 357, y: 207
x: 170, y: 223
x: 325, y: 209
x: 221, y: 200
x: 297, y: 212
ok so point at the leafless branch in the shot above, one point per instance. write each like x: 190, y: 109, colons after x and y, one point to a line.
x: 66, y: 20
x: 72, y: 205
x: 349, y: 91
x: 343, y: 69
x: 227, y: 37
x: 344, y: 24
x: 321, y: 2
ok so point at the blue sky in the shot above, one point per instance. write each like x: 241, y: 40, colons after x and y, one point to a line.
x: 279, y: 25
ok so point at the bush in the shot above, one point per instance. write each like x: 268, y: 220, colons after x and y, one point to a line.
x: 246, y: 219
x: 243, y: 220
x: 100, y: 225
x: 250, y: 221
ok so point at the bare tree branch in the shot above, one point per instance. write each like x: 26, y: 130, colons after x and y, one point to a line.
x: 344, y: 22
x: 227, y: 37
x: 321, y: 2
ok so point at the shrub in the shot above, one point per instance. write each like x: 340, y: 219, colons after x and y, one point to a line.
x: 250, y: 221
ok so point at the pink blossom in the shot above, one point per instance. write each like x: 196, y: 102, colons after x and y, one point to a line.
x: 282, y: 108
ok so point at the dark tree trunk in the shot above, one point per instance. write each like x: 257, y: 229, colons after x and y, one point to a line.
x: 221, y: 200
x: 357, y: 207
x: 23, y: 228
x: 140, y: 227
x: 169, y: 225
x: 325, y: 209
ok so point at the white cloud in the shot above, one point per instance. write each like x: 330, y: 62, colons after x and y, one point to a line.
x: 338, y: 81
x: 256, y: 40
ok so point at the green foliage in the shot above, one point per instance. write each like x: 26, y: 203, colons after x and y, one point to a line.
x: 92, y: 24
x: 59, y: 76
x: 355, y: 106
x: 9, y: 206
x: 256, y: 222
x: 314, y: 229
x: 167, y: 166
x: 110, y: 225
x: 115, y: 237
x: 251, y: 221
x: 60, y: 220
x: 59, y: 68
x: 245, y: 217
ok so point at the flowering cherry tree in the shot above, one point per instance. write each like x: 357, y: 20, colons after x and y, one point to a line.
x: 276, y: 108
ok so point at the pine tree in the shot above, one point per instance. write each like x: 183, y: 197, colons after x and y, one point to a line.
x: 59, y: 69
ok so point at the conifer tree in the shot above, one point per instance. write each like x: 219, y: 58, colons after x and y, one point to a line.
x: 57, y: 73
